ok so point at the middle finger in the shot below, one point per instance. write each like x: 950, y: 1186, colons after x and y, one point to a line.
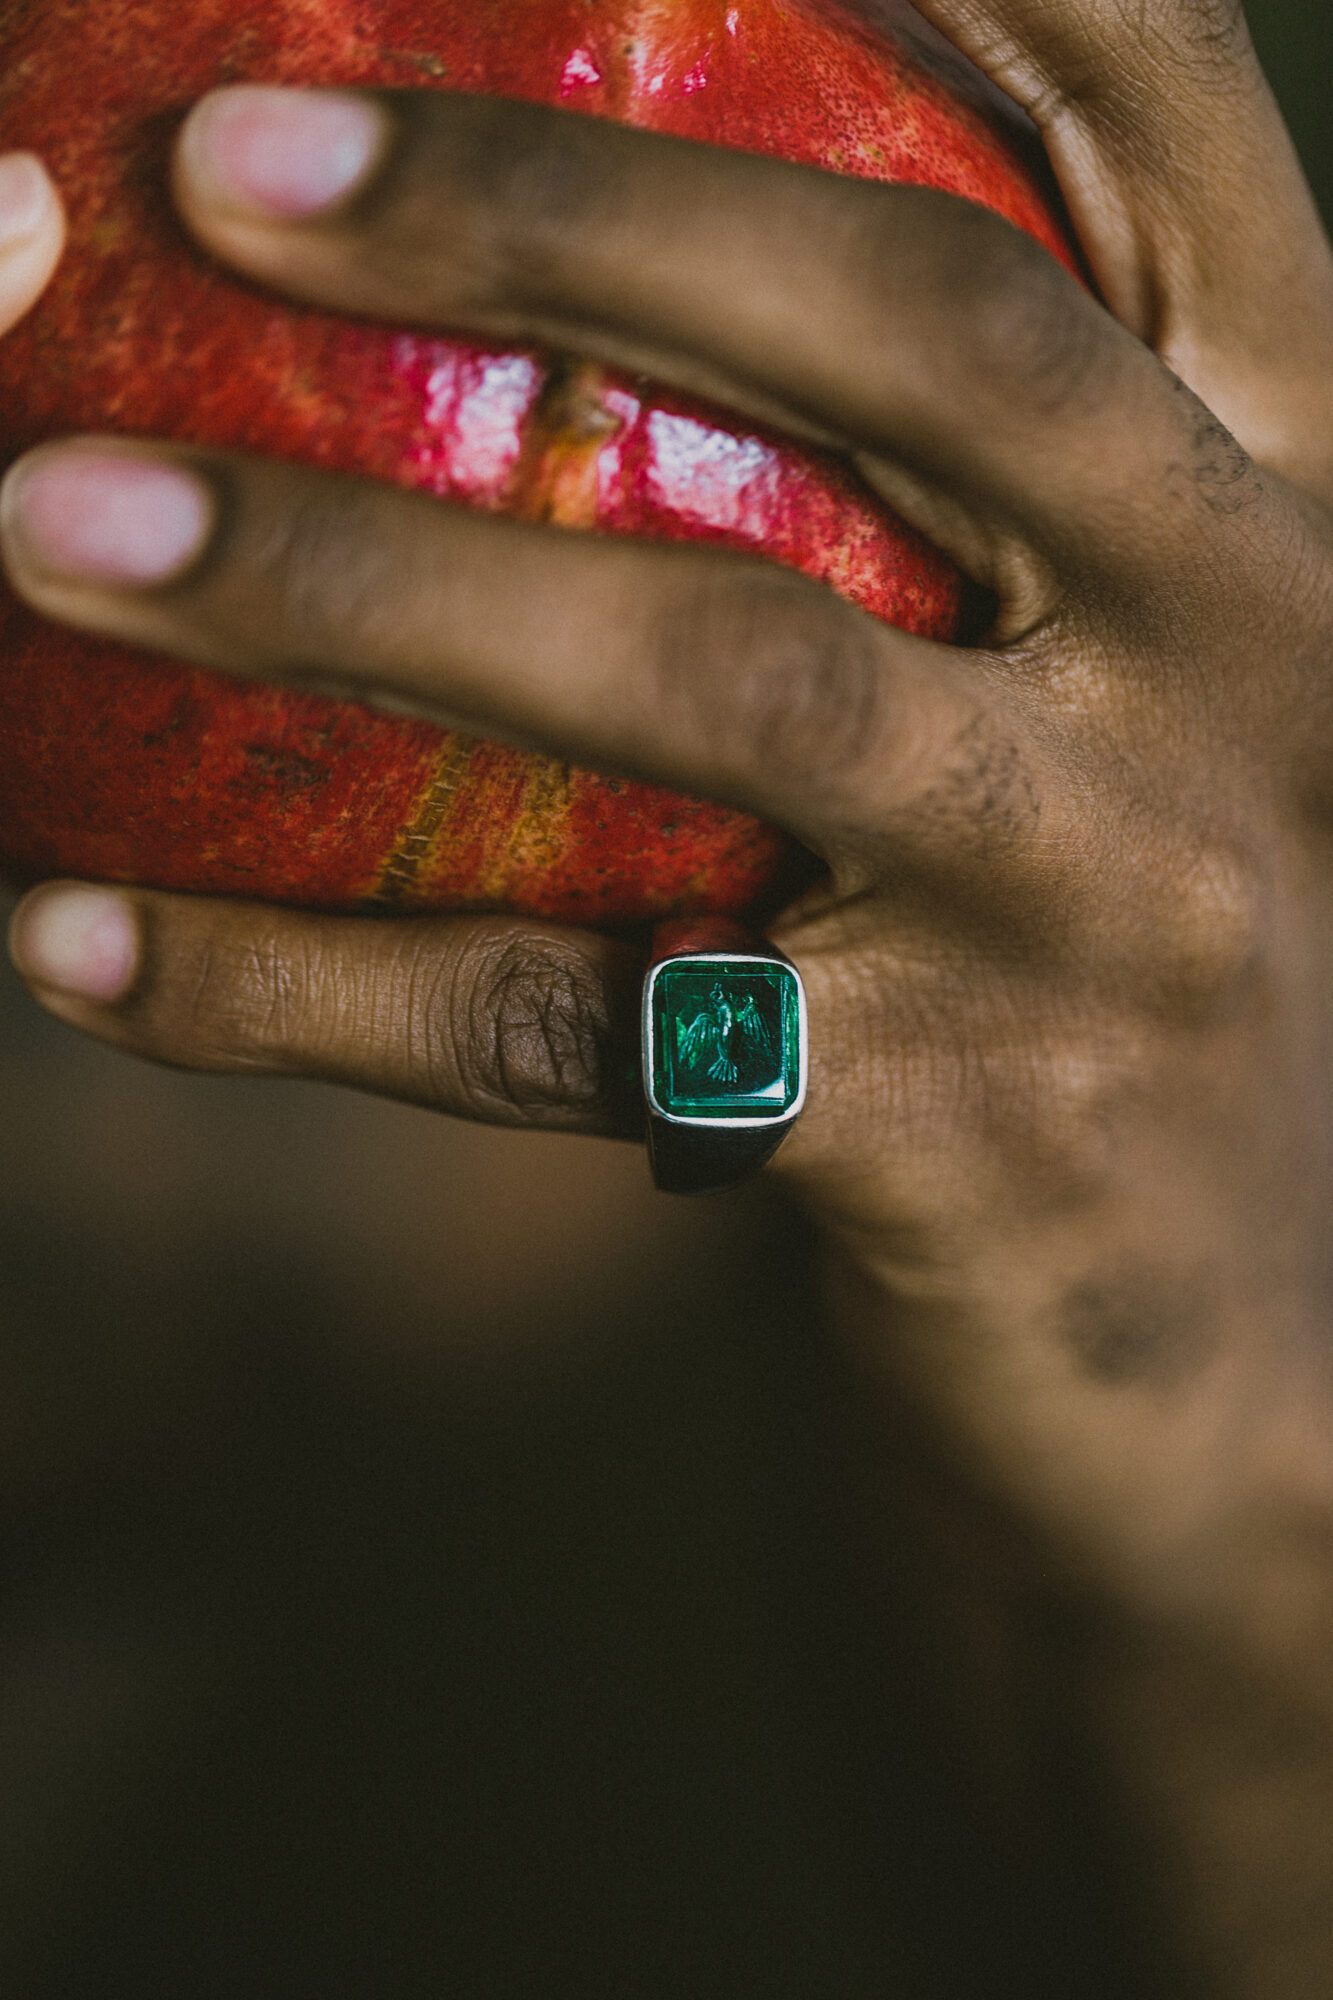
x: 718, y: 673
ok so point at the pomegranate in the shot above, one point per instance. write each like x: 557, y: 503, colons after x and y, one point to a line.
x: 127, y: 767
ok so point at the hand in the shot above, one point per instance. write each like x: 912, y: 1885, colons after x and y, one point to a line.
x: 1067, y: 1133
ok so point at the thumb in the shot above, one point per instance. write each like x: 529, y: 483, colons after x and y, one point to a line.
x: 1187, y: 195
x: 32, y: 233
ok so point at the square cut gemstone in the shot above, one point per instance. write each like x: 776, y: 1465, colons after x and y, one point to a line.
x: 726, y: 1039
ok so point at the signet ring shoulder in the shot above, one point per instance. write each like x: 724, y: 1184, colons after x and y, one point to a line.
x: 725, y: 1054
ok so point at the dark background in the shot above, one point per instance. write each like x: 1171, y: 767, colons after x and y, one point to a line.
x: 420, y: 1569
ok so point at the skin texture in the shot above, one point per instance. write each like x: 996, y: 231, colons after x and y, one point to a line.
x: 120, y: 765
x: 1067, y: 1137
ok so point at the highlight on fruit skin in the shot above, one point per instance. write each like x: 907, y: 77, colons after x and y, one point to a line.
x: 127, y: 767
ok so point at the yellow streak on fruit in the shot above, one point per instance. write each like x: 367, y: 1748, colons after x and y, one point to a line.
x: 555, y: 482
x: 399, y: 885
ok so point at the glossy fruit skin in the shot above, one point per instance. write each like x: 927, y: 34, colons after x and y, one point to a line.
x: 122, y: 766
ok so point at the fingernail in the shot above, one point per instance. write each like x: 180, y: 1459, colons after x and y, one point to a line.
x: 82, y: 940
x: 280, y: 153
x: 25, y: 197
x: 99, y: 516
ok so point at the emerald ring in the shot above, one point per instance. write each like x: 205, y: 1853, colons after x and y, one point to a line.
x: 725, y: 1055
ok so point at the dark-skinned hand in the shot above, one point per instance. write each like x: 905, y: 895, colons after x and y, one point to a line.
x: 1068, y: 1133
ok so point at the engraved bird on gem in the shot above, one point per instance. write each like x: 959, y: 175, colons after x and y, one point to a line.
x: 723, y: 1032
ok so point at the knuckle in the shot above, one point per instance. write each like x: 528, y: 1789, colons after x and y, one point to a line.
x: 325, y: 572
x: 1191, y: 37
x: 1193, y: 937
x: 1025, y: 328
x: 1213, y: 929
x: 1143, y: 54
x: 532, y: 1030
x: 523, y: 181
x: 980, y: 796
x: 786, y: 678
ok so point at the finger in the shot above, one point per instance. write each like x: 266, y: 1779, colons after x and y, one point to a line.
x: 1187, y: 195
x: 896, y: 323
x: 486, y: 1017
x: 719, y: 674
x: 32, y: 234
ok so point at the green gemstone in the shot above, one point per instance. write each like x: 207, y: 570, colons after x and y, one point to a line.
x: 726, y: 1039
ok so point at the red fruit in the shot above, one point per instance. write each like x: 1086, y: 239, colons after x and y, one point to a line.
x: 119, y: 765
